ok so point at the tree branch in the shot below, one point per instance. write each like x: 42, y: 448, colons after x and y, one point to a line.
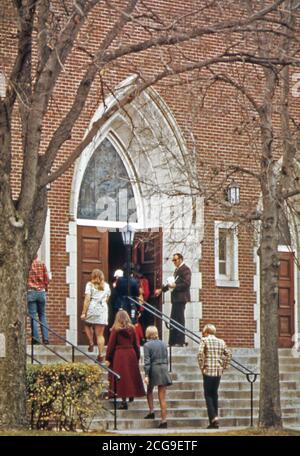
x: 291, y: 194
x: 140, y: 87
x: 64, y: 130
x: 240, y: 169
x: 196, y: 32
x: 22, y: 61
x: 43, y: 48
x: 43, y: 89
x: 240, y: 88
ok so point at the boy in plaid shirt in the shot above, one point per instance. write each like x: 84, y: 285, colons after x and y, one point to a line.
x: 213, y: 358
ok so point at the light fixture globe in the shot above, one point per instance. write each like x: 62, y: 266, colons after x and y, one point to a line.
x: 233, y: 193
x: 128, y: 233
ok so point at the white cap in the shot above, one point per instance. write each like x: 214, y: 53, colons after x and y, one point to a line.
x: 118, y: 273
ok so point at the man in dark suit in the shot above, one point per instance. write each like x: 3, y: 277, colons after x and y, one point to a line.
x: 180, y: 295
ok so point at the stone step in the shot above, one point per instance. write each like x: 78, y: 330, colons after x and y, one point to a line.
x: 179, y: 355
x: 179, y: 371
x: 228, y: 385
x: 199, y: 402
x: 173, y: 422
x: 200, y: 412
x: 236, y: 352
x: 231, y: 376
x: 182, y: 422
x: 226, y: 394
x: 233, y: 394
x: 186, y: 404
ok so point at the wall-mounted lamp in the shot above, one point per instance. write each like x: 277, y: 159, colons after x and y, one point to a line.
x: 233, y: 193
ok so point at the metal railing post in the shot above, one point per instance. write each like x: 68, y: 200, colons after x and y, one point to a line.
x: 170, y: 358
x: 251, y: 404
x: 32, y: 349
x: 251, y: 379
x: 115, y: 404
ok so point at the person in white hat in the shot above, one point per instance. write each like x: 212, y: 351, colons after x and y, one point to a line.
x: 118, y: 273
x: 116, y: 299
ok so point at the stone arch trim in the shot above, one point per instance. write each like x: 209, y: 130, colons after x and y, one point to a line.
x: 153, y: 150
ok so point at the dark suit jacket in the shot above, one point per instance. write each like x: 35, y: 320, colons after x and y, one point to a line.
x: 181, y: 293
x: 121, y: 292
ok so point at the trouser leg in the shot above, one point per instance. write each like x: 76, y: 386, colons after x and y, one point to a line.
x: 177, y: 314
x: 211, y: 385
x: 215, y: 394
x: 32, y: 310
x: 41, y: 307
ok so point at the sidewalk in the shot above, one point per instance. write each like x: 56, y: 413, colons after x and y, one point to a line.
x: 192, y: 431
x: 176, y: 431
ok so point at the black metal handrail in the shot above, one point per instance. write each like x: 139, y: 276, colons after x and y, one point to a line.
x: 173, y: 324
x: 116, y: 376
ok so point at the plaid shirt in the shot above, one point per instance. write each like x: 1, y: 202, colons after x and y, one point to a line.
x: 38, y: 277
x: 213, y: 356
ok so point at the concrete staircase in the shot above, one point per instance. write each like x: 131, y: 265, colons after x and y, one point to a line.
x: 186, y: 404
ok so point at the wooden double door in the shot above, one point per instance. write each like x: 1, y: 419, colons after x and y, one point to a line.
x: 102, y: 249
x: 286, y: 301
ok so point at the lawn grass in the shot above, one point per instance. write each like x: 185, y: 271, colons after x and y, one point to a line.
x: 238, y: 432
x: 252, y: 432
x: 38, y: 433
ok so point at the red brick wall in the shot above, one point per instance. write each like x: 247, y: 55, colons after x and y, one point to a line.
x: 219, y: 142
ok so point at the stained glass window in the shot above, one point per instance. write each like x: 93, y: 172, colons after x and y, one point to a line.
x: 106, y: 191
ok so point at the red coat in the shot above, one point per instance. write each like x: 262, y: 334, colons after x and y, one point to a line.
x: 123, y: 354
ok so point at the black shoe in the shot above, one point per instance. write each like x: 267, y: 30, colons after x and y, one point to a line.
x: 150, y: 416
x: 131, y: 399
x: 213, y: 425
x: 178, y: 345
x: 46, y: 342
x: 163, y: 425
x: 122, y: 406
x: 35, y: 342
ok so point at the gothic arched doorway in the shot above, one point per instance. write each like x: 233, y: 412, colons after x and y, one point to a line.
x: 106, y: 195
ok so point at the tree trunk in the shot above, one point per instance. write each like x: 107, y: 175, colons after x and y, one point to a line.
x: 13, y: 278
x: 269, y: 403
x: 269, y: 400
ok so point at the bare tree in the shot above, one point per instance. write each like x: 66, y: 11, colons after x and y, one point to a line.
x: 258, y: 68
x: 46, y: 33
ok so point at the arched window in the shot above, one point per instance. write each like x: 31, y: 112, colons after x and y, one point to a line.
x: 106, y: 192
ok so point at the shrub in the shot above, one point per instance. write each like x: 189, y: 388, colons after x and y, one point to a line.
x: 64, y: 395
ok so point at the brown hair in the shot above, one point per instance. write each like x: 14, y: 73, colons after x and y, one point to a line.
x: 122, y: 320
x: 97, y: 279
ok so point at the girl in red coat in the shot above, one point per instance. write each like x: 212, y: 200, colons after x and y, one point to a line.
x: 122, y: 356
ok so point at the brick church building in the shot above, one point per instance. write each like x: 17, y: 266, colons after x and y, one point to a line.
x: 146, y: 165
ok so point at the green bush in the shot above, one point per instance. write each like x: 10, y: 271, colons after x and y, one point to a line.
x: 66, y: 396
